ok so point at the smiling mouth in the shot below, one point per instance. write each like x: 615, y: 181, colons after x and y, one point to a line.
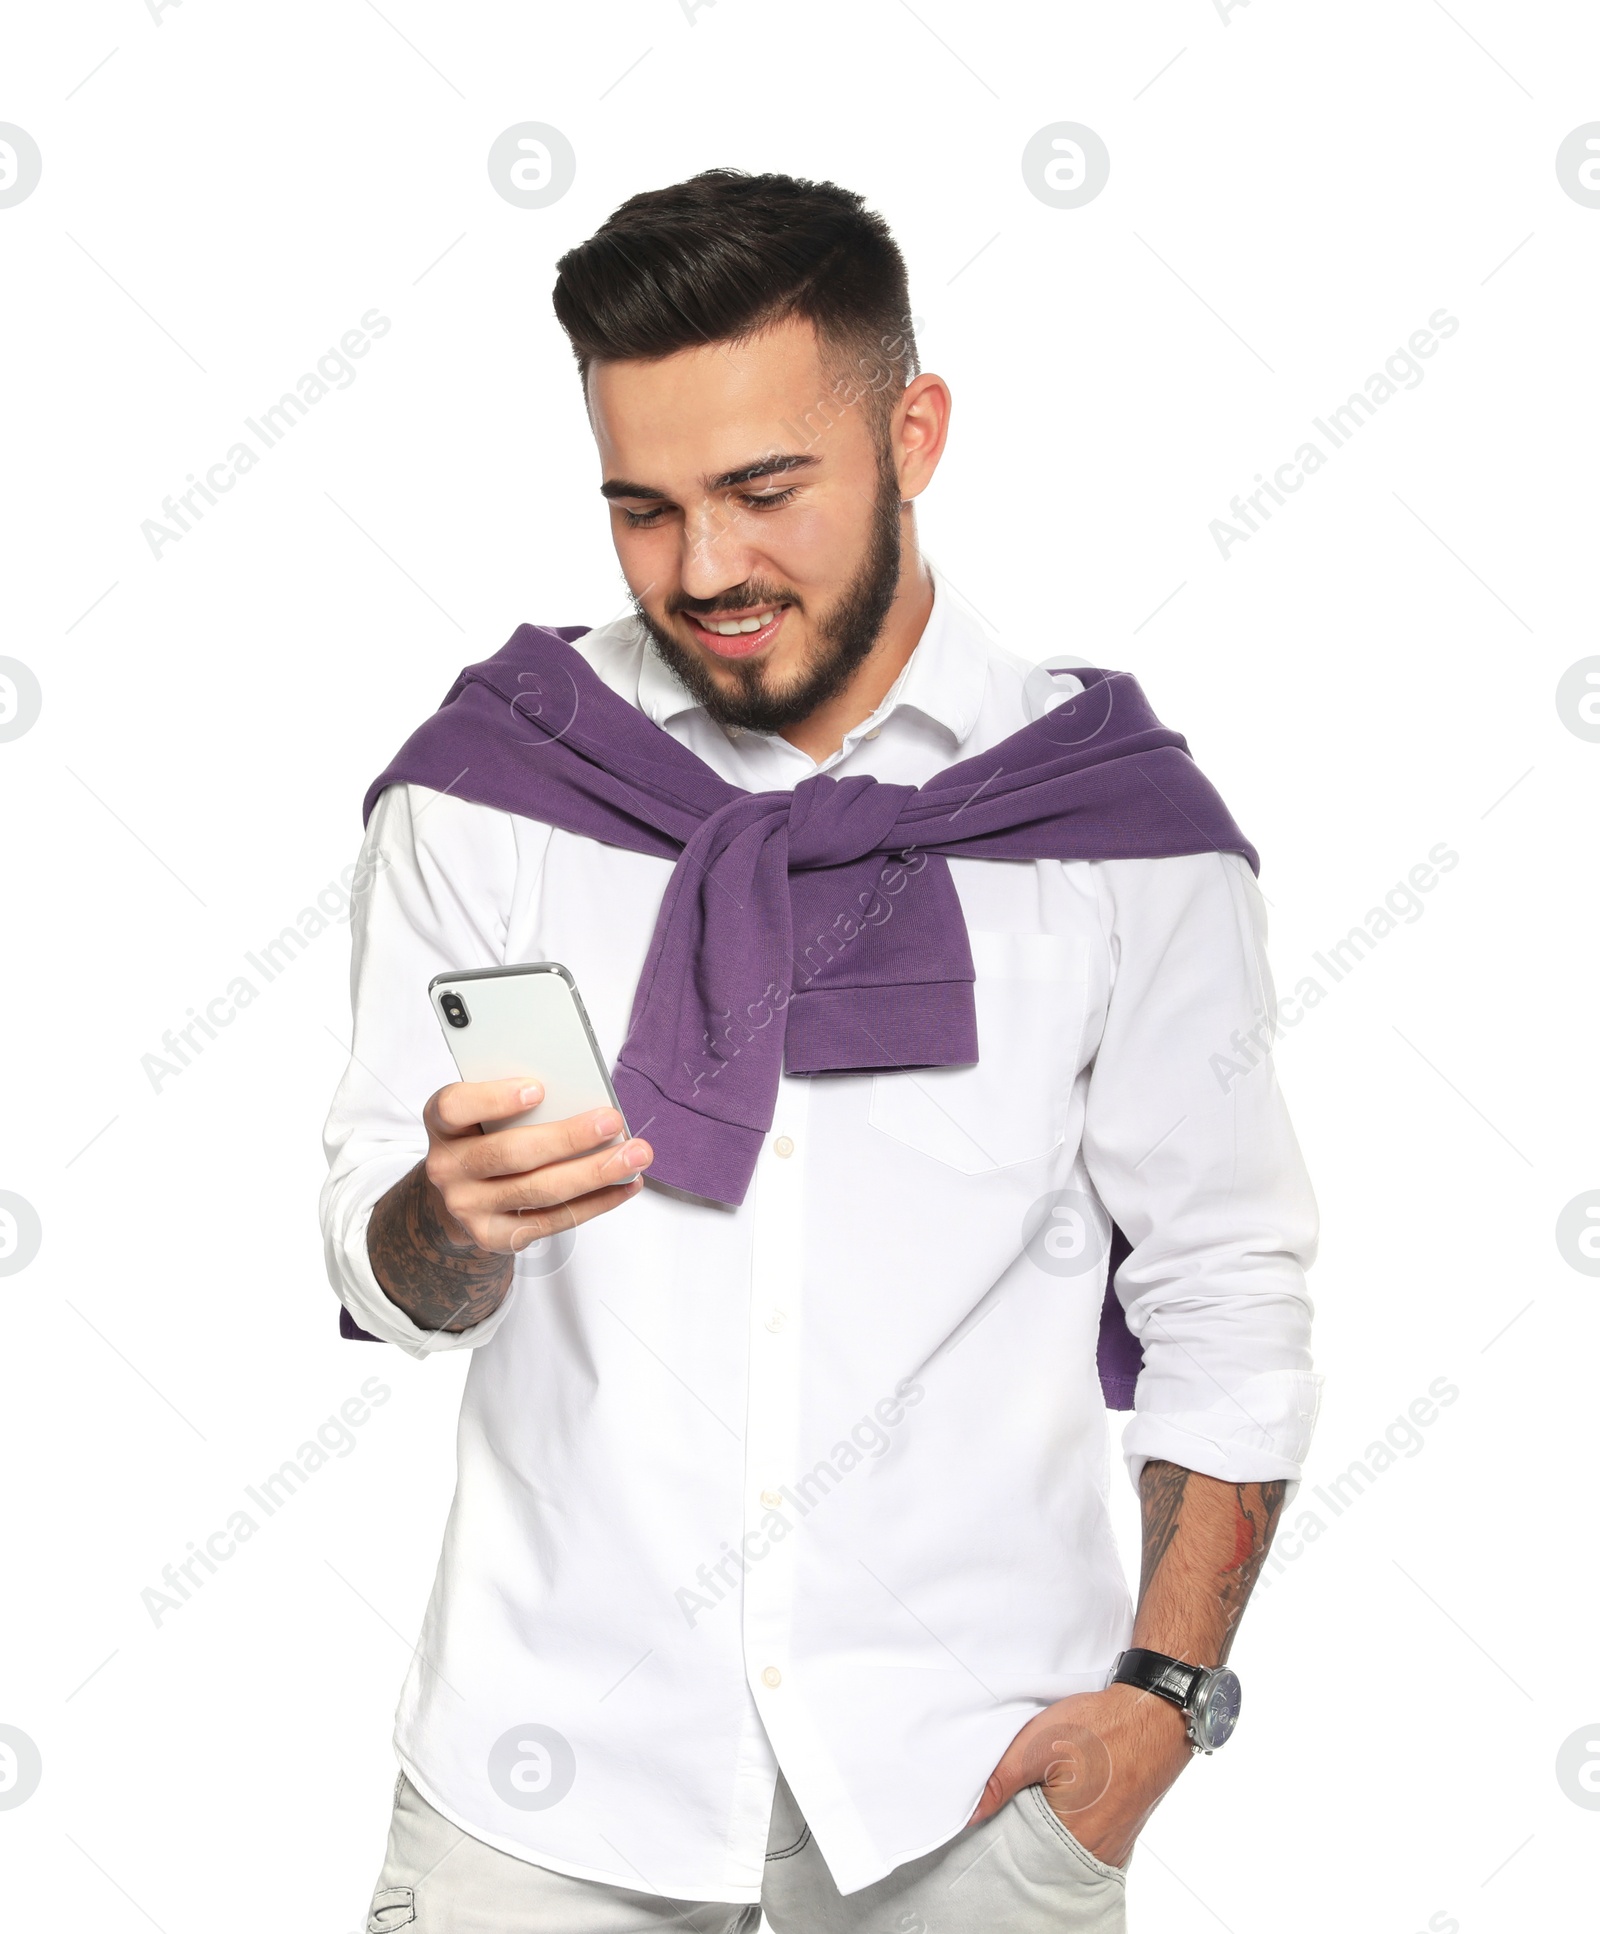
x: 737, y: 634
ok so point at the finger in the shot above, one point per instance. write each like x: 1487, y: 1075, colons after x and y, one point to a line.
x: 517, y: 1151
x: 1024, y: 1763
x: 463, y: 1105
x: 1078, y: 1771
x: 999, y: 1790
x: 511, y: 1234
x: 1014, y: 1772
x: 556, y: 1182
x: 995, y: 1797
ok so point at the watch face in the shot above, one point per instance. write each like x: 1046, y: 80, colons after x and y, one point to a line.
x: 1216, y: 1708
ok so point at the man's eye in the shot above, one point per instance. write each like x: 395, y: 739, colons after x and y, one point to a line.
x: 769, y: 499
x: 640, y: 520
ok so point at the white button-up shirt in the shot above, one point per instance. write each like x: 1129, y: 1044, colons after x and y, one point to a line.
x: 821, y: 1481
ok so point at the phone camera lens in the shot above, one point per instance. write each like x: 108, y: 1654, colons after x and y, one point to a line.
x: 455, y: 1011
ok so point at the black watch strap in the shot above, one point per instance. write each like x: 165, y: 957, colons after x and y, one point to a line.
x: 1170, y: 1679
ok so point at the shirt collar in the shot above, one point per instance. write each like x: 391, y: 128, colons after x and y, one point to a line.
x: 944, y: 679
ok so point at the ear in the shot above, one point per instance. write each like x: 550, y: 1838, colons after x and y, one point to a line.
x: 917, y: 432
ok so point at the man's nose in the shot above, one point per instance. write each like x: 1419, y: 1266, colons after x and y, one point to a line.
x: 715, y: 556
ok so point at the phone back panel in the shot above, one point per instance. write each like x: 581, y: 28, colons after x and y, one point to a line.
x: 526, y: 1020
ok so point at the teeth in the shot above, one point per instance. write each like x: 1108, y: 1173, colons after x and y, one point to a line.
x: 731, y: 627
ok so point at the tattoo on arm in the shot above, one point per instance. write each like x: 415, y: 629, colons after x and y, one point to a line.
x: 1258, y: 1506
x: 422, y: 1264
x: 1204, y: 1544
x: 1161, y: 1489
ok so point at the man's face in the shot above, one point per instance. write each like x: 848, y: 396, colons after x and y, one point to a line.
x: 756, y: 513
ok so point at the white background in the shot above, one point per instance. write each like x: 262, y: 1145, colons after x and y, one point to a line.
x: 1294, y: 189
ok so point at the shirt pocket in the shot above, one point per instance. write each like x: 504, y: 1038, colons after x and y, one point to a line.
x: 1032, y: 1000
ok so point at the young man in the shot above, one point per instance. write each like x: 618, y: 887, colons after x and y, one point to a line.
x: 779, y: 1569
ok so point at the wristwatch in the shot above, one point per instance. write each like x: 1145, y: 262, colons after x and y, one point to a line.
x: 1207, y: 1696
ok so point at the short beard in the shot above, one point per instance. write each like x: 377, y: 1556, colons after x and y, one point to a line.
x: 845, y: 638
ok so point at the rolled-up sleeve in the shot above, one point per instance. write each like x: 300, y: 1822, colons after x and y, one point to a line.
x: 1188, y: 1143
x: 431, y: 892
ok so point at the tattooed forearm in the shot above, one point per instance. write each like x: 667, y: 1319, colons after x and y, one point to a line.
x: 1258, y: 1507
x: 422, y: 1263
x: 1204, y: 1545
x: 1161, y: 1489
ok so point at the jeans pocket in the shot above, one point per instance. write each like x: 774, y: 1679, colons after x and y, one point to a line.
x: 1053, y: 1825
x: 391, y: 1907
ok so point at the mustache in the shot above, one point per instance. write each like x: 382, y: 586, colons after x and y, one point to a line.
x: 741, y: 598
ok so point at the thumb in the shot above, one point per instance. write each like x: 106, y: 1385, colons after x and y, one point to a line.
x: 1014, y: 1772
x: 1070, y: 1760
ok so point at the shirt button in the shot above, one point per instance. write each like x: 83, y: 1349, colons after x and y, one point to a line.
x: 783, y: 1146
x: 874, y: 732
x: 772, y: 1499
x: 772, y: 1676
x: 776, y: 1320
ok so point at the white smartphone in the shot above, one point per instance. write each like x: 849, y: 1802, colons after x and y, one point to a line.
x: 524, y: 1020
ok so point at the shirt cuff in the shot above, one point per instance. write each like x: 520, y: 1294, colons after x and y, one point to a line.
x: 1259, y: 1431
x: 350, y: 1270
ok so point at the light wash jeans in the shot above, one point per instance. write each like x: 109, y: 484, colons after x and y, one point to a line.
x: 1020, y: 1872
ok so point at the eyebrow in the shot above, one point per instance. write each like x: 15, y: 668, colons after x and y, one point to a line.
x: 773, y: 466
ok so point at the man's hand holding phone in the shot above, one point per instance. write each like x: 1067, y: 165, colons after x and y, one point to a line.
x: 442, y: 1240
x: 508, y: 1187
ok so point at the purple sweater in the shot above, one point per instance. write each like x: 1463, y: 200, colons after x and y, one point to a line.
x: 814, y: 930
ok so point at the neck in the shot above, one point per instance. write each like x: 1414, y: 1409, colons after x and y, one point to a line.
x: 821, y: 733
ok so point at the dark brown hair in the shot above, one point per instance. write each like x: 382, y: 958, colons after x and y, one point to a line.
x: 724, y: 255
